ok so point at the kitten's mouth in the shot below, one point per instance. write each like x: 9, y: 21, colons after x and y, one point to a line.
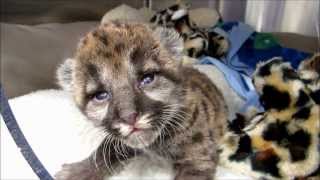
x: 139, y: 135
x: 136, y: 130
x: 140, y: 138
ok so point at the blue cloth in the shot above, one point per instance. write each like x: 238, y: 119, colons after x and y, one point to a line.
x: 240, y: 83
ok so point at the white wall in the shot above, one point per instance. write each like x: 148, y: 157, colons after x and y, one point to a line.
x: 298, y: 16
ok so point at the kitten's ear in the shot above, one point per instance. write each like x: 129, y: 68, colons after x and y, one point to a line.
x: 65, y: 74
x: 171, y: 40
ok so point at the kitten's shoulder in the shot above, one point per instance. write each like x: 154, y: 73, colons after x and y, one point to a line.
x: 193, y: 76
x: 199, y: 83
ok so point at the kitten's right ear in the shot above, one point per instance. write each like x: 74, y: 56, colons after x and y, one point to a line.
x: 65, y: 74
x: 171, y: 40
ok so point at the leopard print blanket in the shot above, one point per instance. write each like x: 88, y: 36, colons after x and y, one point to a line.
x: 283, y: 141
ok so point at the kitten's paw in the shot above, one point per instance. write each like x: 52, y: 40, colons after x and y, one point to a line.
x: 77, y: 171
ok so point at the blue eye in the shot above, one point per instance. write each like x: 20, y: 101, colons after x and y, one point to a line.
x: 101, y: 96
x: 147, y: 79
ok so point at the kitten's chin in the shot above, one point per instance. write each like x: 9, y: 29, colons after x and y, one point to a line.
x: 141, y: 139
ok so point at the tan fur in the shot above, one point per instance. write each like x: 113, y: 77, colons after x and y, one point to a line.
x: 112, y: 58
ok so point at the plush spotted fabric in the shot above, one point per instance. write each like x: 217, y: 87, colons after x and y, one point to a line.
x: 282, y: 142
x: 197, y: 41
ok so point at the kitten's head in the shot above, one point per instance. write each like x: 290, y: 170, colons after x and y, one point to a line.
x: 125, y: 78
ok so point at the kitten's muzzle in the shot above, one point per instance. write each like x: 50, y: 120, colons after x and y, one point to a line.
x: 130, y: 119
x: 133, y: 123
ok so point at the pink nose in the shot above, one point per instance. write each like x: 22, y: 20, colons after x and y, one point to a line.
x: 131, y: 118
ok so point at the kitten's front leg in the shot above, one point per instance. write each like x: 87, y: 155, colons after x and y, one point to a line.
x: 96, y: 166
x: 196, y: 161
x: 84, y: 170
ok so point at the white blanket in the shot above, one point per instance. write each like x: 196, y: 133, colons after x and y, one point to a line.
x: 59, y: 133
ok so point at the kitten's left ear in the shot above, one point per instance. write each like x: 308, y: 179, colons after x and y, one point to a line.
x: 65, y: 74
x: 171, y: 40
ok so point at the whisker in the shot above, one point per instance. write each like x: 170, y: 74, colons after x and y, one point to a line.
x: 109, y: 150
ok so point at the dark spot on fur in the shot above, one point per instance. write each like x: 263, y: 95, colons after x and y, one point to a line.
x: 136, y: 55
x: 289, y: 74
x: 107, y: 54
x: 276, y: 132
x: 316, y: 96
x: 303, y: 99
x: 167, y: 18
x: 101, y: 36
x: 272, y: 98
x: 93, y: 71
x: 117, y: 65
x: 153, y: 19
x: 266, y: 162
x: 191, y: 52
x: 119, y: 47
x: 237, y: 124
x: 297, y: 153
x: 299, y: 143
x: 95, y: 33
x: 244, y: 149
x: 104, y: 39
x: 302, y: 114
x: 194, y: 115
x: 265, y: 70
x: 197, y: 137
x: 184, y: 36
x: 205, y: 109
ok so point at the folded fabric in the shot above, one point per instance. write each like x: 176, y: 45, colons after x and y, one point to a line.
x: 247, y: 49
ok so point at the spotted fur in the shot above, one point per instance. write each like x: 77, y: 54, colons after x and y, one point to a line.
x: 197, y: 41
x: 282, y: 142
x: 178, y: 115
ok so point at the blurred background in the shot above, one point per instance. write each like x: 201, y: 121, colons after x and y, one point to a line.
x: 297, y: 16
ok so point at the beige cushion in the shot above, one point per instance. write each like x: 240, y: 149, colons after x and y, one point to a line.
x: 124, y: 12
x: 30, y: 54
x: 204, y: 17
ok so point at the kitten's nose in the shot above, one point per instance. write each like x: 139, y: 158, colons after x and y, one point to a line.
x: 131, y: 118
